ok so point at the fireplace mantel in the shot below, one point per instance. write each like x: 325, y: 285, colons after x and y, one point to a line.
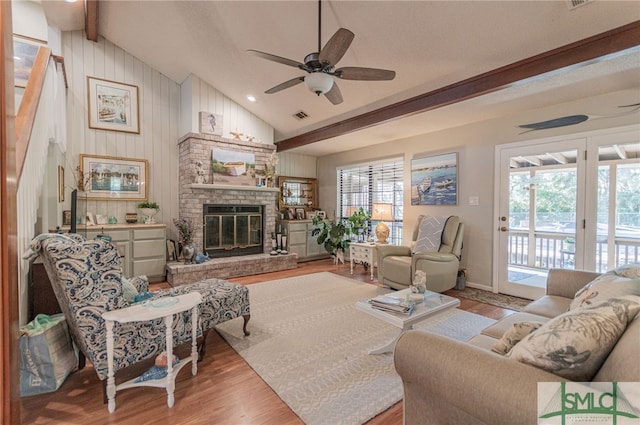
x: 231, y: 187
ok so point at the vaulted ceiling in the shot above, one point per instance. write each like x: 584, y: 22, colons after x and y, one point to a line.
x: 430, y: 44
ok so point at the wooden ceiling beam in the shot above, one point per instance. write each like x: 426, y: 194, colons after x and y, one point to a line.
x: 91, y: 19
x: 574, y: 54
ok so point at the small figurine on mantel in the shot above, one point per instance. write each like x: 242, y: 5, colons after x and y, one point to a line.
x: 199, y: 176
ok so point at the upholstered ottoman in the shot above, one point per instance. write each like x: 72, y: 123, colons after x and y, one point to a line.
x: 221, y: 301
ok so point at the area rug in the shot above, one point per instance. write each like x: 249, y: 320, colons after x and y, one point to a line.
x: 310, y: 345
x: 488, y: 297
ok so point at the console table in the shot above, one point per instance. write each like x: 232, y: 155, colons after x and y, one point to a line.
x: 148, y: 311
x: 363, y: 253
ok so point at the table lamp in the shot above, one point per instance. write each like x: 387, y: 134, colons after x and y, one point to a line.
x: 381, y: 213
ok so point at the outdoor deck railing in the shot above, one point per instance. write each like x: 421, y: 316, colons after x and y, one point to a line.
x: 553, y: 251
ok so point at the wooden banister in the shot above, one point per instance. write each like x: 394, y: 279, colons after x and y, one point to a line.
x: 29, y: 106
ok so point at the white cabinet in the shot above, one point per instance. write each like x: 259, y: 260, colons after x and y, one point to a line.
x: 143, y: 247
x: 300, y: 241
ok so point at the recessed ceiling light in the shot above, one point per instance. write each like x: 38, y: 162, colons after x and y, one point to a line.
x: 70, y: 1
x: 251, y: 98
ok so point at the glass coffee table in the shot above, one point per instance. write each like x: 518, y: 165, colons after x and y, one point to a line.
x: 432, y: 304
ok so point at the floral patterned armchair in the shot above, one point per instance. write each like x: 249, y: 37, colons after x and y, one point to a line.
x: 86, y: 276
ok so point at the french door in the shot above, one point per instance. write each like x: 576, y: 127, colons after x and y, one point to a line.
x: 570, y: 204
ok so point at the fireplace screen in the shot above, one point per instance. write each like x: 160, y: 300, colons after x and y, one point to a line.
x: 232, y: 230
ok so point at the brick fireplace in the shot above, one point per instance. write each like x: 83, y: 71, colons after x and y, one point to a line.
x: 192, y: 197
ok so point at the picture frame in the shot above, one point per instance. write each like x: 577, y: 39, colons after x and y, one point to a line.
x: 300, y: 213
x: 66, y: 218
x: 60, y: 183
x: 91, y: 219
x: 110, y: 178
x: 113, y: 106
x: 434, y: 179
x: 26, y: 49
x: 171, y: 250
x: 211, y: 123
x: 321, y: 214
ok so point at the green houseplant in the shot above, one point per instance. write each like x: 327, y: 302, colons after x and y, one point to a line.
x: 332, y: 235
x: 358, y: 221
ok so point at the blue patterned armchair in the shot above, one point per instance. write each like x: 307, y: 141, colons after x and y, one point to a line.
x: 86, y: 276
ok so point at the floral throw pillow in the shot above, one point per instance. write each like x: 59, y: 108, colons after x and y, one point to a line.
x: 575, y: 344
x: 514, y: 335
x: 615, y: 283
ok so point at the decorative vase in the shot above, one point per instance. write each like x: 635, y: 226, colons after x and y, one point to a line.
x: 188, y: 251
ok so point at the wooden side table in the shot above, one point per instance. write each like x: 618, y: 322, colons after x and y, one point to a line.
x: 145, y: 312
x: 363, y: 253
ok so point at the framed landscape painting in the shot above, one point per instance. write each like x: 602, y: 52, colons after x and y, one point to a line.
x: 434, y: 180
x: 114, y: 179
x: 25, y: 50
x: 113, y: 106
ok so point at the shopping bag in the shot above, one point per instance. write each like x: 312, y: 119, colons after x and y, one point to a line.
x: 47, y: 355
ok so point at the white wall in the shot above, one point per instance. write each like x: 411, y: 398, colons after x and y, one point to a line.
x: 198, y: 96
x: 475, y: 144
x: 28, y: 19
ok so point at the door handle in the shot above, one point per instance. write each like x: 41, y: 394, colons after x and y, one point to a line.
x: 503, y: 229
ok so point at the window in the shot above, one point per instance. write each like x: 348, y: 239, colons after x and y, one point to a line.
x: 366, y: 184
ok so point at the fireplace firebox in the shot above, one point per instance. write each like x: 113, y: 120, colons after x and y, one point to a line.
x: 233, y: 230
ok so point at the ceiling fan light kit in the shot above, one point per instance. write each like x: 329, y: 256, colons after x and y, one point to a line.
x: 321, y: 66
x: 318, y: 82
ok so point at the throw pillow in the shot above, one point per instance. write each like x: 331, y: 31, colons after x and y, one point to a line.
x: 430, y: 234
x: 575, y: 344
x: 129, y: 291
x: 628, y: 270
x: 514, y: 335
x: 608, y: 285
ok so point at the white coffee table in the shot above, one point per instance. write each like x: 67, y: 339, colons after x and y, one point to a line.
x: 433, y: 304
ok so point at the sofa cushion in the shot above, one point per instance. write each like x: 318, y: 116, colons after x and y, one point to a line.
x: 503, y: 325
x: 514, y: 335
x: 628, y: 270
x: 129, y: 291
x: 575, y: 344
x: 548, y: 306
x: 609, y: 285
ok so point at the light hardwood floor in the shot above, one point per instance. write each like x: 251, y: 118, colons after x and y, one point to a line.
x: 225, y: 390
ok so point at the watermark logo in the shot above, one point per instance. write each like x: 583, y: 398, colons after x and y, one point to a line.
x: 592, y: 403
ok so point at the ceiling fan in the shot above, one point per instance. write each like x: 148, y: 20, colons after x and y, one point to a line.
x: 321, y: 66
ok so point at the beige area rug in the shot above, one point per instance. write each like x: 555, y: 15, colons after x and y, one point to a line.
x: 310, y: 344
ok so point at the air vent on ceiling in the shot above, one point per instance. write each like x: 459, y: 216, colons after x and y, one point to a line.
x: 301, y: 115
x: 572, y: 4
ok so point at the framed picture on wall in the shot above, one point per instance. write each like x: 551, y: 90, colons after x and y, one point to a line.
x: 434, y: 180
x: 111, y: 178
x: 113, y: 106
x: 60, y: 183
x: 25, y: 50
x: 210, y: 123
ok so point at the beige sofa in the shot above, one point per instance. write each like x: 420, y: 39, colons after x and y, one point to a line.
x: 451, y: 382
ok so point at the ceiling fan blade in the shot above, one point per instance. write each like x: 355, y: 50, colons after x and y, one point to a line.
x: 334, y: 95
x: 336, y: 47
x: 292, y: 82
x: 274, y: 58
x: 369, y: 74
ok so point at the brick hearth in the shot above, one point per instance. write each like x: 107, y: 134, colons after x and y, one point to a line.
x: 180, y: 274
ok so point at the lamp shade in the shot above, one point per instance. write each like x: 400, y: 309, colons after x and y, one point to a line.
x: 382, y: 212
x: 318, y: 82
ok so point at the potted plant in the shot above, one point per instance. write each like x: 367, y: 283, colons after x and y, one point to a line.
x: 149, y: 209
x: 331, y: 235
x: 185, y: 232
x: 358, y: 222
